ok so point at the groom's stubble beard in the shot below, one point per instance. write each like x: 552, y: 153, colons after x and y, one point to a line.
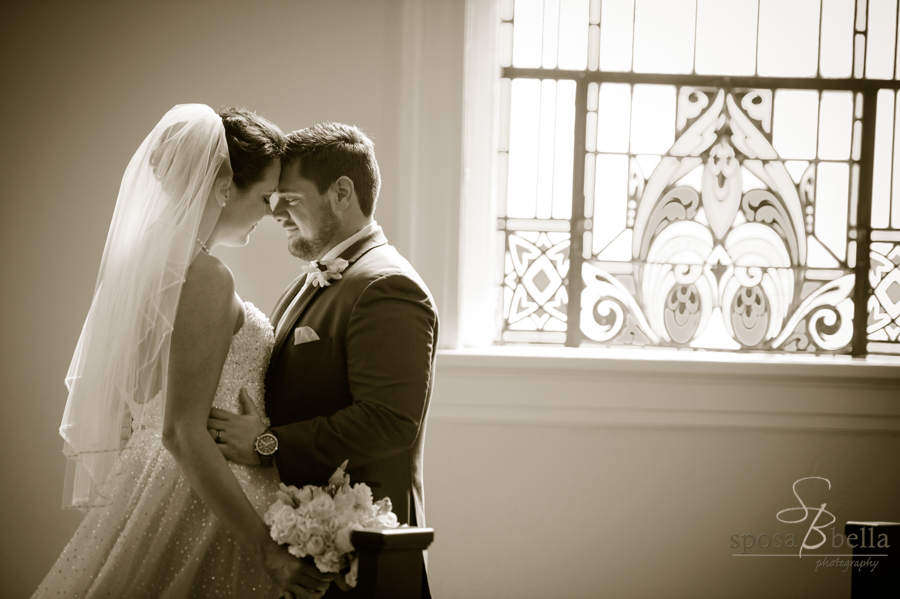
x: 309, y: 249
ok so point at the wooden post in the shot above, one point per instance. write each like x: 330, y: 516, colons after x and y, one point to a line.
x: 391, y: 562
x: 876, y: 559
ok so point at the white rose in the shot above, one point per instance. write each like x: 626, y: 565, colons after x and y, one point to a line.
x: 304, y: 495
x: 315, y: 545
x: 344, y: 501
x: 342, y: 540
x: 322, y: 506
x: 363, y: 494
x: 388, y: 520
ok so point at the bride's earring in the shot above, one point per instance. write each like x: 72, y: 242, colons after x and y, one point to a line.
x: 224, y: 196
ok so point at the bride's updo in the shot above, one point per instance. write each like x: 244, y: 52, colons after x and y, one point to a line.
x: 254, y: 143
x: 181, y: 151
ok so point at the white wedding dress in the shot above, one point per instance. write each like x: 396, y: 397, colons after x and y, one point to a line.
x: 156, y: 538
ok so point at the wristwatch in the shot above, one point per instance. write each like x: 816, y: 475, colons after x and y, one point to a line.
x: 266, y: 445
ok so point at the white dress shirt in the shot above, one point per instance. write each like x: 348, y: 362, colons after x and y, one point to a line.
x: 333, y: 253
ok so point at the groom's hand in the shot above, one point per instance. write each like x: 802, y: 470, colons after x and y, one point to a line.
x: 297, y: 578
x: 236, y: 434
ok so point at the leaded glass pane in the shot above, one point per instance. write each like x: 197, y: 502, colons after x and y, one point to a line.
x: 796, y: 118
x: 613, y: 117
x: 881, y: 176
x: 573, y: 34
x: 726, y: 37
x: 790, y: 32
x: 653, y: 120
x: 895, y: 189
x: 616, y: 35
x: 835, y: 125
x: 836, y: 46
x: 527, y: 39
x: 883, y: 325
x: 881, y: 34
x: 564, y: 140
x: 611, y: 185
x: 664, y: 36
x: 535, y: 300
x: 551, y: 34
x: 505, y: 44
x: 524, y: 137
x: 832, y: 206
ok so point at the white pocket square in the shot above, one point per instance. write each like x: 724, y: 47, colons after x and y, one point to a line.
x: 304, y: 335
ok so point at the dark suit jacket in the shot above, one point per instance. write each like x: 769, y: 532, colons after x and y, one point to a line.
x: 361, y: 391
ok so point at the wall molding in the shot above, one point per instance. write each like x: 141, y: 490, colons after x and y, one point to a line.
x: 576, y: 387
x: 431, y: 123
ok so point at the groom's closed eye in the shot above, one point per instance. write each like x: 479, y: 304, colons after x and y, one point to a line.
x: 288, y: 198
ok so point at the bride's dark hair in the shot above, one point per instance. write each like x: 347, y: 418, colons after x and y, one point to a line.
x: 254, y: 142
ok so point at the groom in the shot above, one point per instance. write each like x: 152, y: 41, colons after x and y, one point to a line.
x: 353, y: 363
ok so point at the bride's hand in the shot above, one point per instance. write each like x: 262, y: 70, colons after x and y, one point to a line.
x: 296, y: 577
x: 235, y: 434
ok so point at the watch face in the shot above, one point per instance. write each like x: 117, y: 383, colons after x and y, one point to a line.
x: 266, y: 444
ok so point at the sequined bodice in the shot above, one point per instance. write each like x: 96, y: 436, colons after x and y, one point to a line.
x: 245, y: 366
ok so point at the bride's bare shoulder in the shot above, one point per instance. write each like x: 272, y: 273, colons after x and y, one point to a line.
x: 208, y: 282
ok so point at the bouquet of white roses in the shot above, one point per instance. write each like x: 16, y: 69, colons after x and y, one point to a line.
x: 317, y: 521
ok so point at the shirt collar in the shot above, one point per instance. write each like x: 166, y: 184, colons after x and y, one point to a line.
x: 337, y: 250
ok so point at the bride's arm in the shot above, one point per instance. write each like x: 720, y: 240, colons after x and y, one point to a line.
x: 202, y: 335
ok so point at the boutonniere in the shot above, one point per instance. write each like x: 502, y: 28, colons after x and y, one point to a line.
x: 320, y: 272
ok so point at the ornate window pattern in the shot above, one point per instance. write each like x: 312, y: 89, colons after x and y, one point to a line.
x: 700, y: 174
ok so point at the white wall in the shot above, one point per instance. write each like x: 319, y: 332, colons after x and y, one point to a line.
x: 622, y: 477
x: 531, y: 511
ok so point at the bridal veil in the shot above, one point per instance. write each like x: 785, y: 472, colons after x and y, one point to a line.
x: 121, y: 359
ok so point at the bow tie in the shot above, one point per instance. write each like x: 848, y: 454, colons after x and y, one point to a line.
x: 319, y: 273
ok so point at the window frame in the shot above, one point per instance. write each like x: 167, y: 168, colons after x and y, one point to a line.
x: 867, y: 87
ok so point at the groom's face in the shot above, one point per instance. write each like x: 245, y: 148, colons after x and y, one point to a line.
x: 305, y: 214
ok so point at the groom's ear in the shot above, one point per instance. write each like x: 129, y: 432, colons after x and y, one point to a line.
x: 343, y: 194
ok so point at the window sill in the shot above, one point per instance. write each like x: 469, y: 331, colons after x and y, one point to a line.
x: 523, y: 385
x: 874, y: 369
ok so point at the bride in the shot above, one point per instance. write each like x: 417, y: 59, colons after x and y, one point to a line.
x: 166, y: 339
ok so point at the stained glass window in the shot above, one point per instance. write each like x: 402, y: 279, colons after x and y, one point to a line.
x: 700, y: 174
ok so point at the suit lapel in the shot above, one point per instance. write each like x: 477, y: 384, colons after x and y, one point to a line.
x: 351, y: 254
x: 285, y: 300
x: 294, y: 314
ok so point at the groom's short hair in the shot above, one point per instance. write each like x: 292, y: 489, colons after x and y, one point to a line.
x: 327, y: 151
